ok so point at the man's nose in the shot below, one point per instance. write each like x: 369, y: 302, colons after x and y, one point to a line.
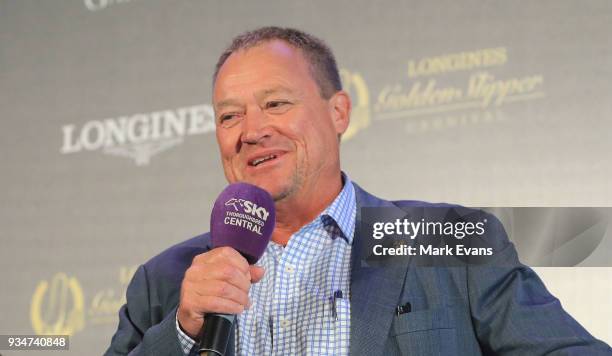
x: 255, y: 127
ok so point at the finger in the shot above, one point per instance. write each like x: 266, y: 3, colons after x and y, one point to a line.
x: 257, y: 273
x: 234, y: 276
x: 221, y: 305
x: 219, y: 272
x: 228, y: 254
x: 223, y: 290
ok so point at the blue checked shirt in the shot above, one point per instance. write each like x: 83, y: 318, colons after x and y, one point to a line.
x: 293, y: 309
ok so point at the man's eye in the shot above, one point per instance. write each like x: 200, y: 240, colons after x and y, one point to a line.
x: 228, y: 120
x: 276, y: 104
x: 224, y: 118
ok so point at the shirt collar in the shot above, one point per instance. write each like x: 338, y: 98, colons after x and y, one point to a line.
x: 342, y: 210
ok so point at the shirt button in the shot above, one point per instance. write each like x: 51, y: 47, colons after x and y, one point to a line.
x: 290, y: 269
x: 285, y: 323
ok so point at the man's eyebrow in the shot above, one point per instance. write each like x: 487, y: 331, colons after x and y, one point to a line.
x: 261, y: 94
x: 274, y: 90
x: 227, y: 102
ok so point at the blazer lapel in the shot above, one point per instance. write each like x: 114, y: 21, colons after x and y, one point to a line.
x: 375, y: 291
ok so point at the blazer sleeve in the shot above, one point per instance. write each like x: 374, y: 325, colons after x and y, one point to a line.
x: 514, y: 314
x: 137, y: 333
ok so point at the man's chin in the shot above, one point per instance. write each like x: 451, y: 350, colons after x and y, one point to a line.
x: 278, y: 192
x: 277, y: 183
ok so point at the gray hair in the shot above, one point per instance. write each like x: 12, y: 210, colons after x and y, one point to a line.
x: 323, y: 66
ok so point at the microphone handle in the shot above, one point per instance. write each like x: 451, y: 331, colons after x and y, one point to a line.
x: 215, y: 334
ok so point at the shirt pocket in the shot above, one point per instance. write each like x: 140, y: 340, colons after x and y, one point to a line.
x: 319, y: 330
x: 426, y: 332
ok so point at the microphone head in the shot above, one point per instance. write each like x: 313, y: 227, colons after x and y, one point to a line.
x: 243, y: 217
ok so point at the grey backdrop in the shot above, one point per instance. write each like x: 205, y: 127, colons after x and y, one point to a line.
x: 108, y: 155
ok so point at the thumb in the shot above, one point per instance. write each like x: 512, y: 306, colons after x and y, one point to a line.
x: 257, y: 273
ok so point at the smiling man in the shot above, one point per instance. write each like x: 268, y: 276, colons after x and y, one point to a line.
x: 277, y: 128
x: 280, y: 112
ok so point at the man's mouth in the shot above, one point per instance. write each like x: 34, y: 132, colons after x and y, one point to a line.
x: 256, y: 162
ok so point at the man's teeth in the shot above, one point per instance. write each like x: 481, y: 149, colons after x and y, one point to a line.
x: 259, y: 160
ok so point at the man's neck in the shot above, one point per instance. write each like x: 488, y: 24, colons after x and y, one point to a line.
x: 300, y: 209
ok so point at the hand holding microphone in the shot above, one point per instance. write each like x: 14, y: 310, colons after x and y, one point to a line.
x: 216, y: 286
x: 218, y: 281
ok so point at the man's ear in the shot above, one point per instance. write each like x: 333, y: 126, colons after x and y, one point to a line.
x: 340, y: 106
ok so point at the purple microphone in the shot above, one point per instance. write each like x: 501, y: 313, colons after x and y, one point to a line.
x: 243, y: 218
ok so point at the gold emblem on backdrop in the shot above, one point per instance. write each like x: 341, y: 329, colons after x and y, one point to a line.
x: 354, y: 84
x: 58, y: 306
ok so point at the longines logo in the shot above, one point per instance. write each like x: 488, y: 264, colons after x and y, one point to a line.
x: 481, y: 58
x: 482, y: 89
x: 57, y: 306
x: 138, y: 136
x: 427, y: 102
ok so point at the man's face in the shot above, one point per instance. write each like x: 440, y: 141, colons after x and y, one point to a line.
x: 273, y: 127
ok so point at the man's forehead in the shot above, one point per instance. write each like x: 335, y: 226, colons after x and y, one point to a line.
x: 276, y: 47
x: 265, y: 69
x: 261, y: 56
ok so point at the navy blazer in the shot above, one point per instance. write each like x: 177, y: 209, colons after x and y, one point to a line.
x: 469, y: 310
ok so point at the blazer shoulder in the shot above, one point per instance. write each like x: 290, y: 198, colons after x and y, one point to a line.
x: 177, y: 258
x: 423, y: 204
x: 496, y: 233
x: 366, y: 199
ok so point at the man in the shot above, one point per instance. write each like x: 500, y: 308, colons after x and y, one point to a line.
x: 280, y: 111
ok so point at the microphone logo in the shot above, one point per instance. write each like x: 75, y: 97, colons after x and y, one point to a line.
x: 233, y: 202
x: 248, y: 207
